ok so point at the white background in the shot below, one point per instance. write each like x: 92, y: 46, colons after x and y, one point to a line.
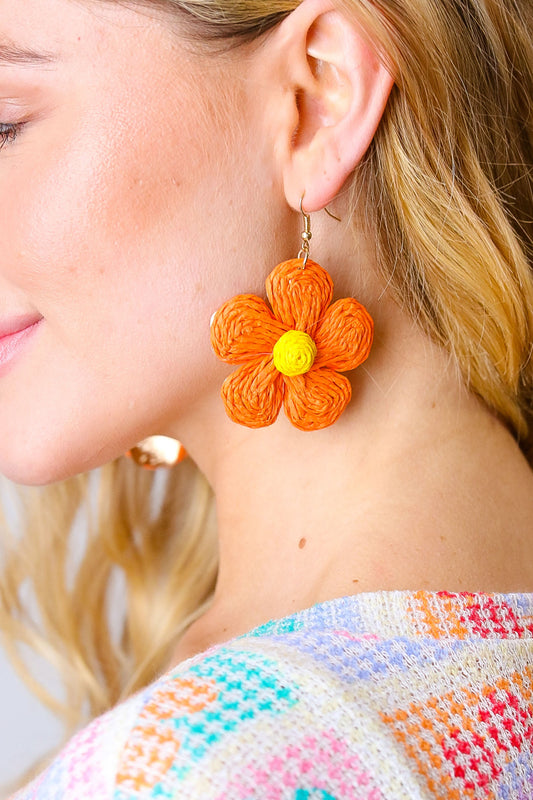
x: 27, y: 730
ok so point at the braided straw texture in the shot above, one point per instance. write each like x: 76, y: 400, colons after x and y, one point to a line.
x: 245, y: 330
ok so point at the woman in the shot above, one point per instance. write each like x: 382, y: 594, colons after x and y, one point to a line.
x: 369, y: 634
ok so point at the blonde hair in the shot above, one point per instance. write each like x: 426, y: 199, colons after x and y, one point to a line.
x: 448, y: 191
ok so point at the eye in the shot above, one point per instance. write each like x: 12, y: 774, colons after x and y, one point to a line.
x: 9, y: 132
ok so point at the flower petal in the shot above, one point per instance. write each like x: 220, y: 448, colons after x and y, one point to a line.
x: 253, y: 394
x: 317, y: 399
x: 243, y: 328
x: 343, y: 336
x: 299, y: 296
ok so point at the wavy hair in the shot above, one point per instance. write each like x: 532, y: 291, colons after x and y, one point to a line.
x: 447, y: 188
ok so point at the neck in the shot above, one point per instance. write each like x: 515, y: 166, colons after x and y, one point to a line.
x: 417, y: 486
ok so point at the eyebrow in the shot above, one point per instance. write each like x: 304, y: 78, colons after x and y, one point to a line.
x: 13, y: 54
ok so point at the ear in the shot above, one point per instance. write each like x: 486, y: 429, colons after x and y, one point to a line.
x: 339, y: 90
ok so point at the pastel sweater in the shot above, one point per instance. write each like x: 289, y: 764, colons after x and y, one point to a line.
x: 379, y: 696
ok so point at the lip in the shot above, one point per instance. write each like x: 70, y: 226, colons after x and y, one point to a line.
x: 14, y: 334
x: 8, y: 327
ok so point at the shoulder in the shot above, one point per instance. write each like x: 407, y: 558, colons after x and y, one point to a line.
x: 86, y: 767
x: 326, y: 713
x: 303, y: 711
x: 253, y: 719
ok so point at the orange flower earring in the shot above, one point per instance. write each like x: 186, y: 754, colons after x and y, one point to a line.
x: 291, y: 354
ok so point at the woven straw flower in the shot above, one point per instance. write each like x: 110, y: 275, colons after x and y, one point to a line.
x: 291, y: 355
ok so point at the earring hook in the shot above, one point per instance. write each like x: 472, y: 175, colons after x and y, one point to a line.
x: 306, y: 233
x: 326, y: 209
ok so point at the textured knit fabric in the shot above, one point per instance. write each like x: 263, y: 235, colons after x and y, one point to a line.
x: 377, y: 697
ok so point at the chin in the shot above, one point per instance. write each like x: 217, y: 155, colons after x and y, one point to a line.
x: 33, y: 475
x: 42, y: 466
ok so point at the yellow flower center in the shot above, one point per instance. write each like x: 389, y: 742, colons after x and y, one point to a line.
x: 294, y: 353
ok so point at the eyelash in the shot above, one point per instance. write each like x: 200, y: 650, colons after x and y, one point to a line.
x: 8, y: 133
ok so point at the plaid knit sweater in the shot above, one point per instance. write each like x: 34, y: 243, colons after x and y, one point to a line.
x: 378, y: 696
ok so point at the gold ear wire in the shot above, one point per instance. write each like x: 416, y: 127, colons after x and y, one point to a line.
x: 326, y: 209
x: 306, y: 233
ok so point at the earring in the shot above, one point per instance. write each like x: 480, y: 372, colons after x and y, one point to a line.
x: 157, y: 451
x: 292, y: 352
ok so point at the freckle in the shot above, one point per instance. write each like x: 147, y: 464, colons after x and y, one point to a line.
x: 355, y: 581
x: 433, y: 405
x: 302, y: 543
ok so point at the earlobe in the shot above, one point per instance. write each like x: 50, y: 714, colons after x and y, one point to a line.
x: 341, y: 89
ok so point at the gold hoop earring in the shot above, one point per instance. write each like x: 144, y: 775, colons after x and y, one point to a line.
x: 157, y: 451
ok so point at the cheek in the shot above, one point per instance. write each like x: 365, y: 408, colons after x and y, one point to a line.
x: 102, y: 228
x: 103, y: 242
